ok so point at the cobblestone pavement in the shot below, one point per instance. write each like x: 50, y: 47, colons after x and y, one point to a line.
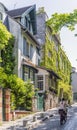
x: 18, y: 124
x: 54, y: 124
x: 50, y: 122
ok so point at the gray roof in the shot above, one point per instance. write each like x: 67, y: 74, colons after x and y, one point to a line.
x: 17, y: 12
x: 4, y: 6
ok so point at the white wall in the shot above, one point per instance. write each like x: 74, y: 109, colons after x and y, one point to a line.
x: 74, y: 81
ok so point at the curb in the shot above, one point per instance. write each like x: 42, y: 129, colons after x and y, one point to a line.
x: 30, y: 125
x: 34, y: 124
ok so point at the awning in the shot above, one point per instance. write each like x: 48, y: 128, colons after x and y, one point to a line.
x: 30, y: 65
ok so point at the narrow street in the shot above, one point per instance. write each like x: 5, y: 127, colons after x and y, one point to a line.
x: 54, y: 124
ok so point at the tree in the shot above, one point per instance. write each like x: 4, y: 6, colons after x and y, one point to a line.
x: 8, y: 58
x: 4, y: 36
x: 57, y: 21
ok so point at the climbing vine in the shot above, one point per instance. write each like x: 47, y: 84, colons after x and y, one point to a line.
x: 8, y: 59
x: 59, y: 62
x: 49, y: 55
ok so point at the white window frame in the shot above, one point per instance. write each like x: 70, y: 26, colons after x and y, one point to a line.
x: 36, y: 75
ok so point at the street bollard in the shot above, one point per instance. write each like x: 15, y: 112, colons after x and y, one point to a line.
x: 34, y: 118
x: 42, y: 115
x: 25, y: 122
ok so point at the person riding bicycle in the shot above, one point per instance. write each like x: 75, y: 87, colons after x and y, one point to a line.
x: 63, y: 110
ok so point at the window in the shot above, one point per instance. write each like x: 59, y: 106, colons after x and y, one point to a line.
x: 25, y: 47
x: 40, y: 82
x: 39, y: 62
x: 31, y: 51
x: 38, y: 51
x: 28, y: 73
x: 31, y: 75
x: 28, y: 23
x: 1, y: 16
x: 25, y: 73
x: 75, y: 96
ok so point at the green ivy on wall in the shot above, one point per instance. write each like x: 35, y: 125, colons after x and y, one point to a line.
x: 58, y: 62
x: 8, y: 59
x: 49, y: 55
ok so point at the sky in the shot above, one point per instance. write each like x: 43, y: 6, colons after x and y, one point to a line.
x: 68, y: 39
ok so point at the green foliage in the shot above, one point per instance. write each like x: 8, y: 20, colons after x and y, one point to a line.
x: 67, y: 92
x: 8, y: 59
x: 2, y: 76
x: 4, y: 36
x: 57, y: 21
x: 49, y: 57
x: 17, y: 87
x: 29, y: 94
x: 57, y: 61
x: 21, y: 92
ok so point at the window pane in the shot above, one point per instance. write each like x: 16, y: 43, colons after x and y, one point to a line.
x: 31, y: 51
x: 40, y: 82
x: 25, y: 73
x: 31, y: 75
x: 25, y: 47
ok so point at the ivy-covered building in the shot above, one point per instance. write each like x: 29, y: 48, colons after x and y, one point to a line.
x: 38, y: 54
x: 53, y: 56
x: 47, y: 84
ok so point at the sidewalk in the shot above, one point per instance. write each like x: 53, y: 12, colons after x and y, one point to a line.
x: 19, y: 123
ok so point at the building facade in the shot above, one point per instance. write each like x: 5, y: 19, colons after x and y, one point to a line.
x: 74, y: 83
x: 21, y: 23
x: 36, y: 53
x: 53, y: 56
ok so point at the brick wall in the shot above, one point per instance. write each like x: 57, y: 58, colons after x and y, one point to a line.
x: 7, y: 104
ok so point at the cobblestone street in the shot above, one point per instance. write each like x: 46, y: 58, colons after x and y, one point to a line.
x: 50, y: 123
x: 54, y: 123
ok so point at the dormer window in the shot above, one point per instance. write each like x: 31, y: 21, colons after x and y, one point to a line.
x: 1, y: 16
x: 28, y: 23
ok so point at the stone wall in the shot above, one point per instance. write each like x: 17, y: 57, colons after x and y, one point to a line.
x: 50, y: 101
x: 34, y: 104
x: 46, y: 82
